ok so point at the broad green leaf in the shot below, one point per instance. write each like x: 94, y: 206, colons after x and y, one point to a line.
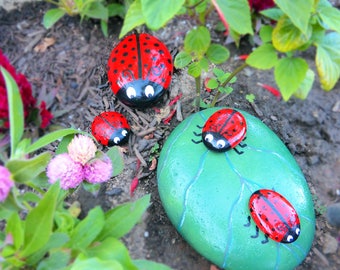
x: 15, y: 107
x: 24, y: 170
x: 52, y: 16
x: 225, y: 90
x: 133, y: 18
x: 117, y: 160
x: 104, y: 252
x: 328, y: 60
x: 263, y: 57
x: 306, y: 85
x: 272, y: 13
x: 266, y: 33
x: 195, y: 69
x: 39, y: 222
x: 182, y: 59
x: 158, y: 12
x: 62, y: 146
x: 95, y: 263
x: 120, y: 220
x: 116, y: 10
x: 49, y: 138
x: 55, y: 260
x: 212, y: 83
x: 217, y: 53
x: 197, y: 41
x: 88, y: 229
x: 237, y: 14
x: 287, y: 37
x: 103, y: 26
x: 289, y: 73
x: 218, y: 72
x: 96, y: 11
x: 299, y: 11
x: 149, y: 265
x: 15, y: 227
x: 331, y: 17
x: 57, y: 240
x: 204, y: 64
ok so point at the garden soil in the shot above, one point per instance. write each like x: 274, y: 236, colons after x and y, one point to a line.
x: 66, y: 66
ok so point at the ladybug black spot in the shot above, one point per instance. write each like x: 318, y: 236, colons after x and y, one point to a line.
x: 116, y: 51
x: 163, y: 80
x: 130, y: 39
x: 122, y: 61
x: 169, y: 61
x: 114, y: 59
x: 273, y: 229
x: 133, y: 49
x: 125, y: 54
x: 144, y: 43
x: 134, y: 57
x: 161, y: 52
x: 156, y: 44
x: 147, y: 37
x: 147, y: 51
x: 130, y: 66
x: 115, y: 71
x: 124, y: 46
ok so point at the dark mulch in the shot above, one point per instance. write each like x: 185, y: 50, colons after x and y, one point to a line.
x: 71, y: 75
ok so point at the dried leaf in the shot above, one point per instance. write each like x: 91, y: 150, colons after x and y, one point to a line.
x: 44, y: 44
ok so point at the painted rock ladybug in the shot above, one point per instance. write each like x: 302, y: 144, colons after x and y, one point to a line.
x: 110, y: 128
x: 140, y: 70
x: 225, y: 129
x: 274, y: 215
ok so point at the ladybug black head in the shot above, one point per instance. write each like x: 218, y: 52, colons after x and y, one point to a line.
x: 141, y: 93
x: 292, y: 234
x: 119, y: 137
x: 215, y: 141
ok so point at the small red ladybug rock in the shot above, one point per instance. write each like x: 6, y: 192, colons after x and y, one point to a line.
x: 274, y: 215
x: 225, y: 129
x: 110, y: 128
x: 140, y: 70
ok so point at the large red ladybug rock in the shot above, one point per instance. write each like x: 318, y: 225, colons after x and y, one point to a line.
x: 140, y: 70
x: 274, y: 215
x: 110, y: 128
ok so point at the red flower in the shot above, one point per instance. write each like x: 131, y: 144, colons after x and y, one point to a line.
x: 29, y: 102
x: 258, y: 5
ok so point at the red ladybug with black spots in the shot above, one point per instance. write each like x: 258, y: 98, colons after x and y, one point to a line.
x: 274, y: 215
x: 140, y: 70
x: 110, y: 128
x: 225, y: 129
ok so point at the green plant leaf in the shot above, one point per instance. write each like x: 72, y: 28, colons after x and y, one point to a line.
x: 197, y: 41
x: 39, y: 222
x: 104, y: 252
x: 289, y: 73
x: 116, y: 9
x: 95, y: 263
x: 182, y: 59
x: 328, y: 60
x: 250, y: 97
x: 158, y: 12
x: 15, y: 227
x: 306, y: 85
x: 62, y: 146
x: 133, y: 18
x: 263, y: 57
x: 97, y: 11
x: 117, y: 160
x: 149, y: 265
x: 50, y: 137
x: 52, y: 16
x: 237, y: 14
x: 88, y: 229
x: 195, y: 69
x: 212, y: 83
x: 331, y: 17
x: 57, y: 240
x: 217, y: 54
x: 55, y: 260
x: 266, y: 33
x: 272, y: 13
x: 103, y: 26
x: 120, y: 220
x: 24, y: 170
x: 299, y: 11
x: 287, y: 37
x: 16, y: 112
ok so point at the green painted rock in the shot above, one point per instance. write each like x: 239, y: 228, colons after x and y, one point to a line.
x: 206, y: 195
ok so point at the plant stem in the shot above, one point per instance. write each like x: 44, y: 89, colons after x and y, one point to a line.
x: 198, y: 93
x: 232, y: 75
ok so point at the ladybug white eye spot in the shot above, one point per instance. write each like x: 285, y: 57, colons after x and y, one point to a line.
x: 116, y: 140
x: 209, y: 138
x: 149, y: 91
x: 131, y: 92
x: 124, y: 132
x: 220, y: 144
x: 289, y: 238
x: 297, y: 231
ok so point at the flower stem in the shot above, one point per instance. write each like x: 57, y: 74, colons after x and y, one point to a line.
x: 232, y: 75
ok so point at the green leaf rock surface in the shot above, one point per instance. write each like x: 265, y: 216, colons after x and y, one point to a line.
x: 205, y: 194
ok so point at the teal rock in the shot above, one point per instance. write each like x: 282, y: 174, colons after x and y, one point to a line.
x: 206, y: 195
